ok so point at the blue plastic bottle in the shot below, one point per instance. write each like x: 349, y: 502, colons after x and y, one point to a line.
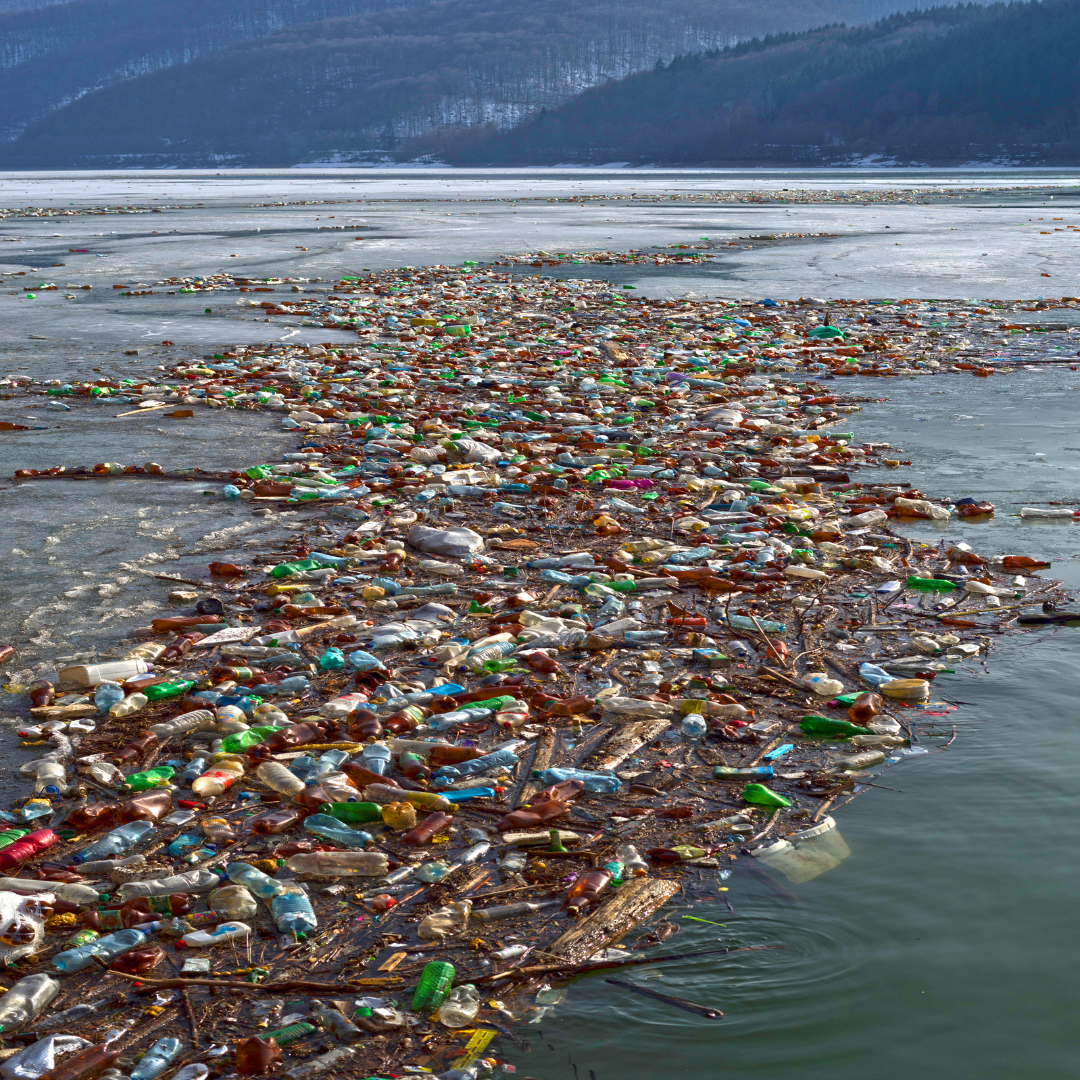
x: 157, y: 1059
x: 593, y: 781
x: 107, y: 695
x: 107, y: 947
x: 293, y: 913
x: 255, y: 881
x: 118, y: 841
x: 329, y: 828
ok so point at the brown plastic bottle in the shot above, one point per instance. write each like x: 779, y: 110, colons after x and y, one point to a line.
x: 149, y: 806
x: 541, y: 662
x: 136, y: 749
x: 564, y: 791
x: 291, y: 737
x: 587, y: 890
x: 110, y: 919
x: 141, y: 682
x: 312, y: 797
x: 83, y: 1065
x: 529, y: 817
x: 401, y: 723
x: 41, y: 693
x: 865, y: 707
x: 451, y: 755
x: 139, y: 961
x: 255, y: 1056
x: 180, y: 647
x: 174, y: 904
x: 274, y: 822
x: 91, y: 816
x: 571, y: 706
x: 427, y: 828
x: 363, y: 724
x: 362, y: 777
x: 413, y: 766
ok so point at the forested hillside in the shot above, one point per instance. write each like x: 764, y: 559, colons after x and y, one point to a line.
x: 273, y: 82
x: 943, y: 86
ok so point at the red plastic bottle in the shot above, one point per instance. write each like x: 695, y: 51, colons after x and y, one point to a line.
x: 26, y: 848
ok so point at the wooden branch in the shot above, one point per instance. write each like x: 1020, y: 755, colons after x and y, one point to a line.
x: 628, y: 740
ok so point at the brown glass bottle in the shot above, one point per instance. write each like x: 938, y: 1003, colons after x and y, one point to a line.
x: 135, y: 749
x: 427, y: 828
x: 227, y: 671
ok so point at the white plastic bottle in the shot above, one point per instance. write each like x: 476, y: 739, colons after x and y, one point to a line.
x: 226, y: 931
x: 95, y: 674
x: 149, y: 652
x: 220, y: 777
x: 129, y: 706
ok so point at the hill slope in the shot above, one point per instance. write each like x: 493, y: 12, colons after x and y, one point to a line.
x: 943, y: 86
x: 177, y: 87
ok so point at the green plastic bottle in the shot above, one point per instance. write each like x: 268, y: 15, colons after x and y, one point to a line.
x: 288, y: 568
x: 160, y: 691
x: 350, y: 812
x: 151, y: 778
x: 826, y: 725
x: 289, y: 1034
x: 434, y: 988
x: 930, y: 584
x: 9, y: 836
x: 239, y: 741
x: 760, y: 795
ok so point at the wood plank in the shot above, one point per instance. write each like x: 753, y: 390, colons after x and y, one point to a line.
x: 627, y: 909
x: 541, y: 759
x: 629, y: 739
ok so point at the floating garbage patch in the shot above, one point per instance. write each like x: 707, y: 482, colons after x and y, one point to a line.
x: 569, y: 624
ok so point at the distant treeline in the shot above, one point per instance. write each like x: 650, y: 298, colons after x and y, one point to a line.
x: 92, y: 83
x: 948, y: 85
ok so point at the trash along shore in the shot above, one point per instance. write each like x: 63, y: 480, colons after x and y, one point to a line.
x: 576, y: 623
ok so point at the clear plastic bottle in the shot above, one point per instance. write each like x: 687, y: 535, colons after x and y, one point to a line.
x: 196, y: 766
x: 339, y: 863
x: 107, y: 947
x: 117, y: 842
x: 693, y: 727
x: 234, y: 902
x: 192, y: 881
x: 593, y: 781
x: 50, y: 778
x: 292, y: 912
x: 337, y: 832
x: 253, y: 879
x: 218, y: 779
x: 376, y: 757
x: 157, y: 1059
x: 25, y: 1000
x: 632, y: 861
x: 279, y: 778
x: 128, y: 706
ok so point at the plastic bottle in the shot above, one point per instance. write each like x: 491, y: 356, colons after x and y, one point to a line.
x: 865, y: 707
x: 593, y: 781
x: 293, y: 913
x: 150, y: 806
x: 399, y: 816
x: 825, y: 725
x: 219, y: 778
x: 337, y: 832
x: 159, y: 776
x: 107, y: 695
x: 223, y: 932
x: 25, y: 1000
x: 275, y: 822
x: 86, y: 1063
x: 587, y: 890
x: 192, y: 881
x: 279, y: 778
x: 760, y: 795
x: 107, y: 947
x: 461, y: 1007
x: 339, y: 863
x: 196, y: 767
x: 257, y: 1055
x: 487, y: 762
x: 376, y: 758
x: 50, y: 778
x: 118, y: 671
x: 233, y: 902
x: 157, y: 1059
x: 634, y: 864
x: 116, y: 842
x: 434, y: 987
x: 426, y: 829
x: 139, y: 961
x: 254, y: 880
x: 15, y: 854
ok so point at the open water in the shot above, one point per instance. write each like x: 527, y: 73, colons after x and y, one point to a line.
x: 942, y: 945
